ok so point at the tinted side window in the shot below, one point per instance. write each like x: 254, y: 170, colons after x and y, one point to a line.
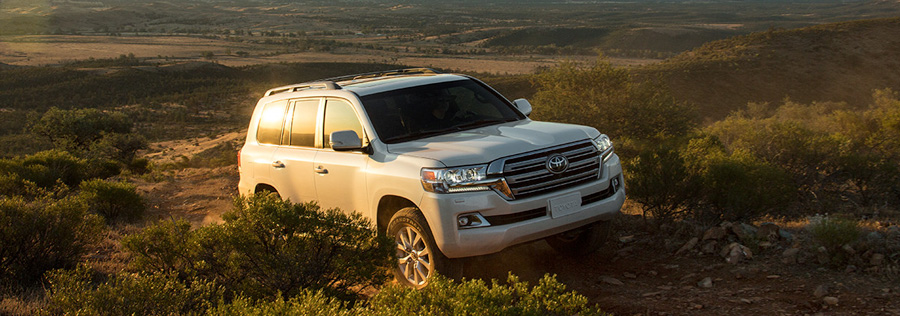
x: 303, y: 127
x: 339, y: 116
x: 271, y: 122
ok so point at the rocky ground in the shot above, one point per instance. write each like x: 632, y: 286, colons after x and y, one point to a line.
x: 646, y: 269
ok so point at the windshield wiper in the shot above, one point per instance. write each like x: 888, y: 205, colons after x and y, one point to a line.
x: 485, y: 122
x: 423, y: 134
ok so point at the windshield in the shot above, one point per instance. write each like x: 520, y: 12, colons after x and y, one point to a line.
x: 428, y: 110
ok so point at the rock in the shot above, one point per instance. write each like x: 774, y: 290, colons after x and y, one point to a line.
x: 626, y: 239
x: 611, y: 280
x: 744, y: 232
x: 629, y: 275
x: 709, y: 247
x: 830, y: 300
x: 766, y: 244
x: 877, y: 259
x: 727, y: 249
x: 768, y: 231
x: 789, y: 256
x: 735, y: 253
x: 821, y: 291
x: 705, y: 283
x: 785, y: 235
x: 894, y: 230
x: 848, y: 249
x: 726, y: 225
x: 714, y: 233
x: 822, y: 255
x: 773, y: 277
x: 687, y: 246
x: 850, y: 268
x: 874, y: 236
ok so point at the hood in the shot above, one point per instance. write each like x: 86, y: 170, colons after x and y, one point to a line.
x: 486, y: 144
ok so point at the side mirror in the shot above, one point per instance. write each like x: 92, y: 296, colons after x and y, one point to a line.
x: 345, y: 141
x: 523, y: 105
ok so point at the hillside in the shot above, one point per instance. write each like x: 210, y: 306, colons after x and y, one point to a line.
x: 831, y: 62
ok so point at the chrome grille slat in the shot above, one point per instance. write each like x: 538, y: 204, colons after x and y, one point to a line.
x: 527, y: 174
x: 554, y: 183
x: 542, y: 173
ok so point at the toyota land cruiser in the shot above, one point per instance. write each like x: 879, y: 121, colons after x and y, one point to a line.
x: 441, y: 163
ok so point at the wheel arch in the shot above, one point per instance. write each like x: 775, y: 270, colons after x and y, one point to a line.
x: 388, y: 206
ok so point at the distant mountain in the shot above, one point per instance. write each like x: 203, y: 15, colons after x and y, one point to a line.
x: 830, y: 62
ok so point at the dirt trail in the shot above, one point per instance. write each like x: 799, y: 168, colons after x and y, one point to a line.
x: 640, y: 276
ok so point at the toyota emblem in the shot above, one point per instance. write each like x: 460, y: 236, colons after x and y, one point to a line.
x: 557, y: 164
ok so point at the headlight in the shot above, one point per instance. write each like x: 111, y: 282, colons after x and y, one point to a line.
x: 604, y: 144
x: 447, y: 180
x: 462, y: 179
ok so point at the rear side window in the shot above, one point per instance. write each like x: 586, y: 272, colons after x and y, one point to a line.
x: 339, y: 116
x: 303, y: 126
x: 271, y: 122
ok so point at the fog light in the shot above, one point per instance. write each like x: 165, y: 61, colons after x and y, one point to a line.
x: 471, y: 220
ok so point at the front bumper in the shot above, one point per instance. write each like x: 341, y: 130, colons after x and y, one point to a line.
x: 441, y: 211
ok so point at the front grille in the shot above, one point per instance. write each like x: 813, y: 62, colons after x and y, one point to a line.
x: 516, y: 217
x: 527, y: 174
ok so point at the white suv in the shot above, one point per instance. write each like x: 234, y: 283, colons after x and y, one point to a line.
x: 442, y: 163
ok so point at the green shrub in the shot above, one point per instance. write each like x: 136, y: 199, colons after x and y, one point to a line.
x: 740, y: 187
x: 120, y: 147
x: 73, y: 292
x: 610, y: 99
x: 833, y: 233
x: 75, y: 130
x: 268, y: 246
x: 659, y: 179
x: 47, y: 167
x: 475, y: 297
x: 112, y: 200
x: 306, y: 303
x: 48, y: 170
x: 441, y: 297
x: 41, y: 235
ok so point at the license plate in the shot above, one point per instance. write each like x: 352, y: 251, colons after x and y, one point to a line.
x: 564, y: 205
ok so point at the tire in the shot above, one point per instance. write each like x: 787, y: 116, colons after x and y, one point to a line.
x: 581, y: 241
x: 418, y: 257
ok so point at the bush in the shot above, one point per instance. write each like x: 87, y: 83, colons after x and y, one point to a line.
x: 42, y: 235
x: 49, y: 170
x: 610, y: 99
x: 833, y: 233
x: 441, y: 297
x: 659, y: 179
x: 112, y: 200
x: 475, y: 297
x: 267, y: 246
x: 75, y: 130
x: 305, y: 304
x: 73, y: 292
x: 91, y: 133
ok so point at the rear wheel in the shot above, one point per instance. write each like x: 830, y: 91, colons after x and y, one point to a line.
x: 418, y: 258
x: 581, y: 241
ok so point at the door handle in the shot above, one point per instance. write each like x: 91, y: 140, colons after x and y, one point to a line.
x: 278, y: 164
x: 321, y: 170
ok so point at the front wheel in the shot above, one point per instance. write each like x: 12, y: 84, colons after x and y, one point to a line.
x: 418, y: 258
x: 581, y: 241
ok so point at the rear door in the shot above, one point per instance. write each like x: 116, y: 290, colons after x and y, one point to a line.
x: 341, y: 176
x: 293, y: 161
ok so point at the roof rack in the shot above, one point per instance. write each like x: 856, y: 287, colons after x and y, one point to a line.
x: 322, y: 84
x: 386, y: 73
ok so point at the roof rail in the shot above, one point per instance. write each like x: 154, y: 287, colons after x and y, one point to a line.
x: 323, y: 84
x: 386, y: 73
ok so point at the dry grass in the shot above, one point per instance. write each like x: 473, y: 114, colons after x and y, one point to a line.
x: 34, y: 50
